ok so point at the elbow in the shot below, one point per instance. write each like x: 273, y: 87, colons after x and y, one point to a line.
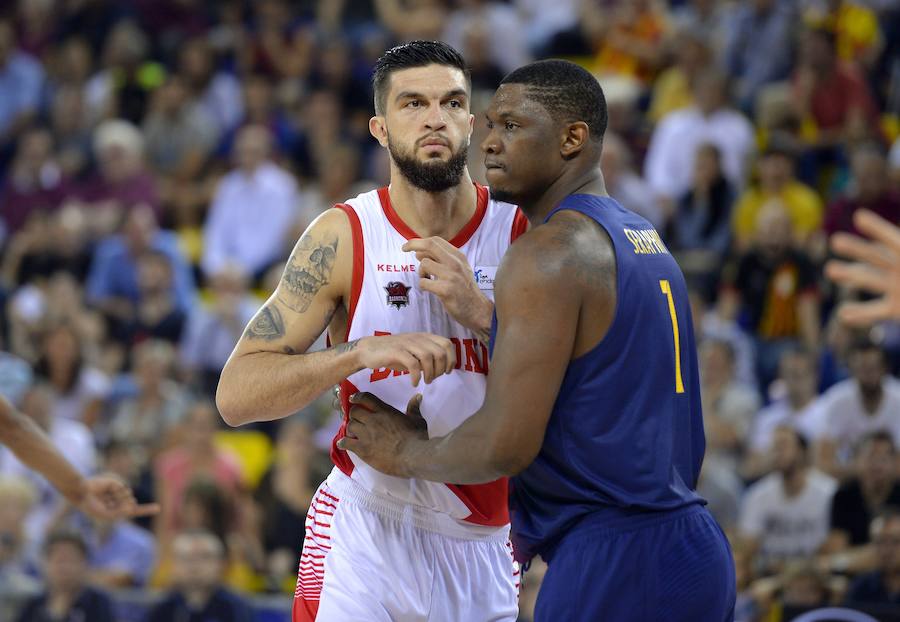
x: 231, y: 412
x: 508, y: 461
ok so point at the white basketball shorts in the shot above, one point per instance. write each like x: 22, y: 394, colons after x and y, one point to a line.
x: 366, y: 557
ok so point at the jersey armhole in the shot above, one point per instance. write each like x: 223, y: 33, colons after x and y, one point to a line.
x: 519, y: 226
x: 359, y: 264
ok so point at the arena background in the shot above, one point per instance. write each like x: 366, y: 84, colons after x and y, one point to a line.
x: 142, y: 224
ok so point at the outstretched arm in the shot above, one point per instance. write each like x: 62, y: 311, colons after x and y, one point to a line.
x: 103, y: 496
x: 538, y: 306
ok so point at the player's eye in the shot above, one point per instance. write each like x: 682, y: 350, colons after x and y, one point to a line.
x: 413, y: 103
x: 454, y: 103
x: 510, y: 126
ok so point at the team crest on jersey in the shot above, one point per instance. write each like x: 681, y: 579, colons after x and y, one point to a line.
x: 397, y: 294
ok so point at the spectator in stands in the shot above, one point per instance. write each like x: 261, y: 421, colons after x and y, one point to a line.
x: 179, y: 133
x: 858, y: 501
x: 123, y: 181
x: 261, y: 108
x: 145, y: 419
x: 870, y: 189
x: 214, y: 326
x: 21, y: 81
x: 71, y: 132
x: 709, y: 324
x: 797, y: 408
x: 284, y: 495
x: 831, y: 94
x: 758, y: 25
x: 120, y: 554
x: 803, y: 588
x: 865, y: 403
x: 774, y: 285
x: 701, y: 227
x: 17, y: 582
x: 881, y: 587
x: 199, y: 561
x: 122, y: 88
x: 669, y: 165
x: 67, y: 596
x: 193, y: 455
x: 626, y: 186
x: 218, y: 93
x: 34, y: 183
x: 253, y: 208
x: 776, y: 182
x: 505, y: 47
x: 785, y: 515
x: 81, y: 389
x: 113, y: 284
x: 728, y: 406
x: 157, y: 313
x: 672, y: 89
x: 74, y: 441
x: 857, y: 33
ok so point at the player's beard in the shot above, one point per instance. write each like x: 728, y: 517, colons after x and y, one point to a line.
x: 434, y: 175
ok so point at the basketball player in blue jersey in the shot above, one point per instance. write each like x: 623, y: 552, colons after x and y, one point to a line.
x: 593, y: 401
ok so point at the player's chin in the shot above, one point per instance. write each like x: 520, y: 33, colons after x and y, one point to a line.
x: 498, y: 179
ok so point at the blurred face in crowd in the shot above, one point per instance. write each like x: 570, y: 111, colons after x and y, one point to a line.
x: 877, y: 462
x: 172, y: 96
x: 787, y: 452
x: 798, y: 371
x: 295, y: 440
x: 706, y: 165
x: 139, y: 229
x: 613, y: 160
x: 870, y: 174
x: 66, y: 568
x: 716, y: 363
x: 868, y: 368
x: 154, y: 274
x: 254, y: 143
x: 199, y: 561
x: 886, y: 538
x: 775, y: 170
x: 710, y: 90
x: 774, y: 230
x: 426, y: 125
x: 196, y: 61
x: 200, y: 425
x: 805, y: 590
x: 61, y: 345
x: 34, y: 151
x: 816, y: 51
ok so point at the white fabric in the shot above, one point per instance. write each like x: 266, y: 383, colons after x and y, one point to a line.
x: 847, y: 422
x: 809, y: 421
x: 788, y: 526
x: 452, y: 398
x: 92, y: 384
x: 249, y: 218
x: 669, y: 167
x: 366, y: 557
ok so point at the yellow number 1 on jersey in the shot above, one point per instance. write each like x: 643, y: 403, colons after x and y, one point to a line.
x: 667, y: 290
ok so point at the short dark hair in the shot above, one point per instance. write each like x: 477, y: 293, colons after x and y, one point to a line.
x: 409, y: 55
x: 878, y: 436
x: 65, y: 536
x: 568, y: 92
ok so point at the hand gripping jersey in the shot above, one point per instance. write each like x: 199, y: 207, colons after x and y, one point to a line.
x: 386, y: 299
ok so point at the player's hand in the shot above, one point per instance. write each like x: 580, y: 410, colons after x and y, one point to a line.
x: 423, y: 355
x: 108, y: 498
x: 445, y: 272
x: 377, y: 432
x: 876, y: 270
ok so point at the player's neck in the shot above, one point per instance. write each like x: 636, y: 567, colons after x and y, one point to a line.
x: 570, y: 182
x: 429, y: 214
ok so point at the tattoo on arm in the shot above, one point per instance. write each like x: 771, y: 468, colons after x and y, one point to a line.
x: 308, y: 270
x: 346, y: 347
x: 268, y: 324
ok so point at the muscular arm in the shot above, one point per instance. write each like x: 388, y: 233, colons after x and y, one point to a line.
x: 270, y: 375
x: 539, y: 293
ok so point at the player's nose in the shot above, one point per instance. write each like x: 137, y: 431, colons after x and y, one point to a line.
x: 491, y: 144
x: 435, y: 119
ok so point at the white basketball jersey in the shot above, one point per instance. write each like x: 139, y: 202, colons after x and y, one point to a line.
x: 386, y: 299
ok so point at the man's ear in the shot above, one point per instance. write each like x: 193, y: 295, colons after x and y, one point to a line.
x: 378, y: 130
x: 574, y: 139
x: 471, y: 125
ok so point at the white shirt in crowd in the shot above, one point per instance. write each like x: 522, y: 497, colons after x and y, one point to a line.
x: 788, y: 527
x: 669, y: 167
x: 249, y: 219
x: 808, y: 420
x: 846, y: 421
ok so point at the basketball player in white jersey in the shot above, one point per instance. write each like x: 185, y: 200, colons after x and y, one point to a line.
x: 402, y: 278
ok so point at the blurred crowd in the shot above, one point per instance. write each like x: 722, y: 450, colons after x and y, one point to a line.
x: 159, y: 158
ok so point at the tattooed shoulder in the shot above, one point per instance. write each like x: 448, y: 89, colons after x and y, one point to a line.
x: 268, y: 324
x: 308, y: 270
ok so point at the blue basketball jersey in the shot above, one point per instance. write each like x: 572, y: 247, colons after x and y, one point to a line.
x: 626, y: 432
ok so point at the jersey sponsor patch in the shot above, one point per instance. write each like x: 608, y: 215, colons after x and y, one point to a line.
x: 397, y: 294
x: 484, y: 276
